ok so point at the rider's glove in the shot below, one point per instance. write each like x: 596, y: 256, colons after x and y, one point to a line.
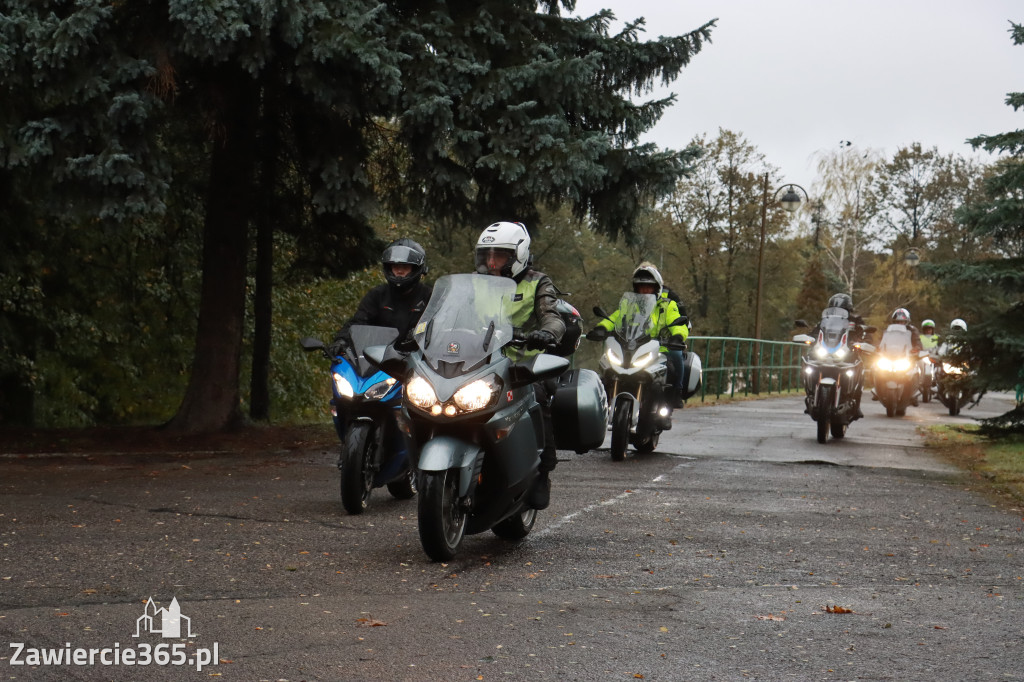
x: 596, y: 334
x: 337, y: 347
x: 540, y: 338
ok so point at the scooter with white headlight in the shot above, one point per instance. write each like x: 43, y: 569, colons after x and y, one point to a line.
x: 833, y: 374
x: 365, y: 409
x: 473, y: 412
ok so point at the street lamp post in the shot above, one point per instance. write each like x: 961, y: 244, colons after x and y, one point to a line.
x: 791, y: 203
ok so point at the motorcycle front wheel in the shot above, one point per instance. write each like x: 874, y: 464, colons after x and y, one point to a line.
x: 356, y: 462
x: 517, y: 526
x: 822, y: 410
x: 648, y: 443
x: 620, y: 430
x: 891, y: 401
x: 404, y: 488
x: 442, y: 522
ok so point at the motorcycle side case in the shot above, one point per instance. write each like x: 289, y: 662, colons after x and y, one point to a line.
x: 693, y: 372
x: 580, y: 411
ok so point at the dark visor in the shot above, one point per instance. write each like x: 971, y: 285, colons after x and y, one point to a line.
x: 402, y: 254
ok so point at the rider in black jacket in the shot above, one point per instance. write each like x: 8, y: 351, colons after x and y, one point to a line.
x: 400, y: 302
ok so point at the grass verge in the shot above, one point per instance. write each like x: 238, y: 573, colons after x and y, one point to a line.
x: 997, y: 464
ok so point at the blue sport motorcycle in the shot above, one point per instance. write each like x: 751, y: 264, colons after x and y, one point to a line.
x: 366, y: 408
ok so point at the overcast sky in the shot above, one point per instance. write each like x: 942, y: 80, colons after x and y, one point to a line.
x: 798, y: 76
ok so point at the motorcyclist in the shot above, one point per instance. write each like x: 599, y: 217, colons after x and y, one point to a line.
x: 857, y: 333
x: 957, y: 328
x: 399, y: 302
x: 929, y: 339
x: 647, y: 280
x: 858, y: 328
x: 902, y: 316
x: 503, y: 250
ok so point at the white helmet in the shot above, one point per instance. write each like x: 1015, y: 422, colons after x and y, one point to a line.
x: 646, y: 273
x: 510, y: 238
x: 957, y: 325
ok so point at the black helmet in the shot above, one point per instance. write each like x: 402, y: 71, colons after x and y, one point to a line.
x: 406, y: 252
x: 841, y: 301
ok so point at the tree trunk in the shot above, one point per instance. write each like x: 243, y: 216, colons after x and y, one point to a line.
x: 212, y: 398
x: 259, y: 383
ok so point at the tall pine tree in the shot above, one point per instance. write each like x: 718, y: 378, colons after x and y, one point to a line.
x: 485, y: 109
x: 995, y: 346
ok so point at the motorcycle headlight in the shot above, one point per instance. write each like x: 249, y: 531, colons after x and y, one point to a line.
x: 643, y: 360
x: 820, y: 351
x: 379, y: 390
x: 884, y: 364
x: 952, y: 369
x: 420, y: 393
x: 343, y: 387
x: 840, y: 352
x: 901, y: 365
x: 614, y: 357
x: 476, y: 395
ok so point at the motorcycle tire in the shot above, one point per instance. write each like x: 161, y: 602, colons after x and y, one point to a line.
x: 838, y: 429
x: 954, y: 406
x: 442, y: 521
x: 356, y: 477
x: 926, y: 395
x: 890, y: 404
x: 620, y: 430
x: 517, y: 526
x: 404, y: 488
x: 822, y: 410
x: 649, y: 443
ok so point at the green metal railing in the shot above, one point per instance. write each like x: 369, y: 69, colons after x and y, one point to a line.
x: 736, y: 365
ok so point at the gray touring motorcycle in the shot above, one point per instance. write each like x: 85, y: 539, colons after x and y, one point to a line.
x: 474, y: 413
x: 896, y: 372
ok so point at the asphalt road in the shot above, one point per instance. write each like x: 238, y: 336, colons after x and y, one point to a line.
x: 741, y: 550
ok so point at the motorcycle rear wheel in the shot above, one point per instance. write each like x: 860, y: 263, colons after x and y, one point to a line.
x: 442, y: 521
x: 517, y: 526
x: 620, y: 430
x: 356, y: 460
x: 404, y: 488
x: 838, y: 429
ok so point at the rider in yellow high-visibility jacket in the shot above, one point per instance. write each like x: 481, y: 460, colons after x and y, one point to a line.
x: 503, y: 250
x: 647, y: 280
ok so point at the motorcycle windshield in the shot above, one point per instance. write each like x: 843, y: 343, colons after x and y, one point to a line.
x: 467, y: 319
x: 833, y: 326
x: 363, y: 336
x: 895, y: 341
x: 635, y: 311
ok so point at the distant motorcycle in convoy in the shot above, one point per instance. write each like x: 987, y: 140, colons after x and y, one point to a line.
x: 474, y: 414
x: 953, y: 381
x: 365, y: 409
x: 635, y: 374
x: 896, y: 372
x: 926, y: 365
x: 833, y: 373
